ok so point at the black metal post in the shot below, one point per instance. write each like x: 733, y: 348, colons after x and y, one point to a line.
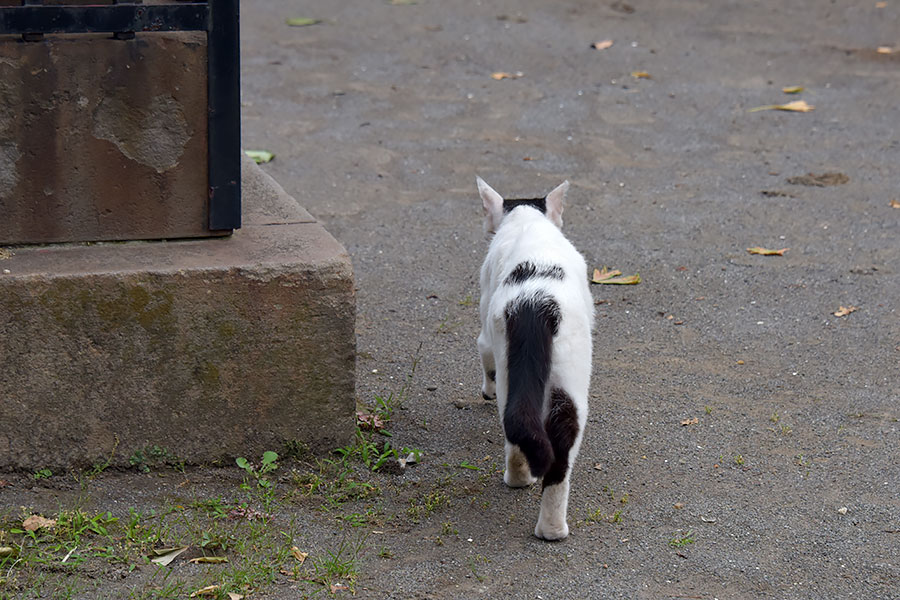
x: 224, y: 115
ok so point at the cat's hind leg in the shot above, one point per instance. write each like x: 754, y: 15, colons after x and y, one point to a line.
x: 564, y: 430
x: 518, y: 472
x: 489, y: 368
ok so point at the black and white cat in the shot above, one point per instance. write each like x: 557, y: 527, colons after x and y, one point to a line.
x: 536, y: 319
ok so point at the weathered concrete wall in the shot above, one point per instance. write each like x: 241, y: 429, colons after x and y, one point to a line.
x: 103, y: 139
x: 208, y: 348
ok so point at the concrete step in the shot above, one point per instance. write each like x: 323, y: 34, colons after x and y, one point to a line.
x: 204, y: 349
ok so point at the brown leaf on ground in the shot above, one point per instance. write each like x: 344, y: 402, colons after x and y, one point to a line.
x: 843, y: 311
x: 822, y: 180
x: 766, y: 251
x: 884, y: 50
x: 211, y: 560
x: 792, y: 89
x: 35, y: 522
x: 614, y: 277
x: 368, y: 421
x: 339, y: 587
x: 624, y: 280
x: 693, y: 421
x: 300, y: 556
x: 210, y: 591
x: 601, y: 275
x: 602, y: 45
x: 795, y: 106
x: 895, y: 203
x: 503, y: 75
x: 641, y: 75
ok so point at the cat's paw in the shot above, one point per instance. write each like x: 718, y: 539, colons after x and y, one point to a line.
x: 489, y: 391
x: 551, y: 532
x: 516, y: 478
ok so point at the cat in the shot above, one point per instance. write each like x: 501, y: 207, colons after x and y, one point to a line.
x: 535, y: 343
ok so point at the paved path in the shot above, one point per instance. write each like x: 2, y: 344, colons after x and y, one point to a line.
x: 788, y: 484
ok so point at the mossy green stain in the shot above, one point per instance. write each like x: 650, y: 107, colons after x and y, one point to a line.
x: 152, y: 310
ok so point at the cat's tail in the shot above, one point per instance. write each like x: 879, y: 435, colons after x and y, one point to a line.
x: 531, y: 324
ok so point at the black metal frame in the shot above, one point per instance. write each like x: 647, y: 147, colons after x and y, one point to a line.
x: 220, y: 19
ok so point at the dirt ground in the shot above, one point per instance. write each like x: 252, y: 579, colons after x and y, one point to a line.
x: 743, y: 439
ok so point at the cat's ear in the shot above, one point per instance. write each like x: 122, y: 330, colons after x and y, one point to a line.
x: 493, y: 205
x: 555, y: 203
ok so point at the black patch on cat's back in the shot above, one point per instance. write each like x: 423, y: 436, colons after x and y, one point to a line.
x: 526, y: 270
x: 538, y: 203
x: 543, y: 307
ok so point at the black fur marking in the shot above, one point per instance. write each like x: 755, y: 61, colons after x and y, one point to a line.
x: 527, y: 269
x: 538, y: 203
x: 492, y: 375
x: 562, y: 429
x: 530, y: 326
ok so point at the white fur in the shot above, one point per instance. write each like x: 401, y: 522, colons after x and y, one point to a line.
x: 525, y: 234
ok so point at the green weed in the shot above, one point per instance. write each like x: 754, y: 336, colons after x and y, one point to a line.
x: 680, y: 541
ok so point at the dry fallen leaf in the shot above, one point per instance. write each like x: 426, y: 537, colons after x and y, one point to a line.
x: 166, y: 555
x: 693, y: 421
x: 211, y: 560
x: 260, y: 156
x: 339, y: 587
x: 792, y: 89
x: 233, y: 596
x: 503, y: 75
x: 881, y: 5
x: 678, y: 505
x: 6, y: 551
x: 611, y: 276
x: 600, y: 276
x: 602, y: 45
x: 300, y: 556
x: 210, y: 590
x: 624, y: 280
x: 368, y: 421
x: 301, y: 21
x: 895, y: 203
x: 843, y: 311
x: 795, y: 106
x: 641, y: 75
x: 884, y: 50
x: 35, y: 522
x: 766, y: 251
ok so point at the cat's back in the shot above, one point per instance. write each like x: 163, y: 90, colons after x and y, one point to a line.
x: 530, y: 256
x: 532, y: 239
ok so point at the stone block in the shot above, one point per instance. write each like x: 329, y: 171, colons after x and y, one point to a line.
x: 208, y: 348
x: 103, y: 139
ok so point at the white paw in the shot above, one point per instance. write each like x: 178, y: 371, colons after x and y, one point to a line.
x: 516, y: 478
x: 488, y: 390
x: 551, y: 533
